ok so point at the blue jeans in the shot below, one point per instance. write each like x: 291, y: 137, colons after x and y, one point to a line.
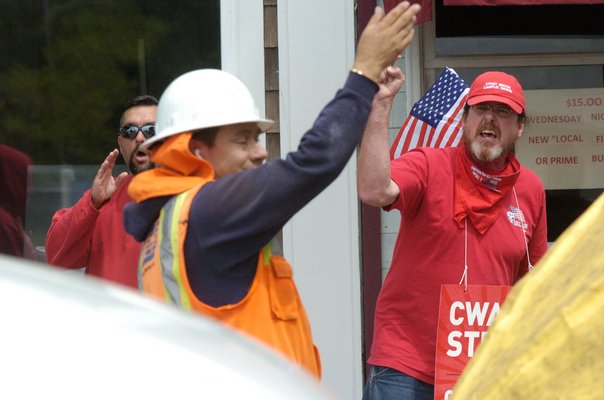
x: 389, y: 384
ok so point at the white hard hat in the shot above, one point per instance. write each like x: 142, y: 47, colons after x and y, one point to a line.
x: 204, y: 98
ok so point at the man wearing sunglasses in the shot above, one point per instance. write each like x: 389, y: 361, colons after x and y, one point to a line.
x: 469, y: 214
x: 91, y: 234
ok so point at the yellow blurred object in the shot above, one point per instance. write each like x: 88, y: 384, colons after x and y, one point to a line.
x: 548, y: 340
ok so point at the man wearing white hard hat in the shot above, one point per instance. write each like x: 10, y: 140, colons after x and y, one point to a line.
x: 207, y: 213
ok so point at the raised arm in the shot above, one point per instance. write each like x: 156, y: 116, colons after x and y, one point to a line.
x: 324, y: 150
x: 290, y: 183
x: 374, y: 185
x: 70, y: 234
x: 384, y: 39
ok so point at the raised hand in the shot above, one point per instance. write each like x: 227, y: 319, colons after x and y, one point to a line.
x: 104, y: 184
x: 391, y: 81
x: 384, y: 39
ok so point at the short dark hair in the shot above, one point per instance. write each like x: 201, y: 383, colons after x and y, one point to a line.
x: 143, y: 100
x: 206, y: 135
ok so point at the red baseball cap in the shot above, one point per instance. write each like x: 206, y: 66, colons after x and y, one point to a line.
x: 497, y: 86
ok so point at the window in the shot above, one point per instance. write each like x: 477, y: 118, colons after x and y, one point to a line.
x: 465, y: 30
x: 67, y: 68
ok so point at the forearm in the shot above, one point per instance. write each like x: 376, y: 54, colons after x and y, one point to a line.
x: 373, y: 176
x: 68, y: 238
x: 278, y: 189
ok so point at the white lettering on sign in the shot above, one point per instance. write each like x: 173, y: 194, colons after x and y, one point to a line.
x: 457, y: 340
x: 475, y: 313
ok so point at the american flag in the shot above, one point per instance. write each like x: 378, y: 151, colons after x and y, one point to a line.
x: 435, y: 120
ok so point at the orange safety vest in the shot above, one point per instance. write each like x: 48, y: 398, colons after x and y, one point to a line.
x: 271, y: 311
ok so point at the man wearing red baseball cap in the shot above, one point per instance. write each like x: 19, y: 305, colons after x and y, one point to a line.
x: 469, y: 215
x: 498, y: 87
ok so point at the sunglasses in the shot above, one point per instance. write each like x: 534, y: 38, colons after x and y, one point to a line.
x: 130, y: 131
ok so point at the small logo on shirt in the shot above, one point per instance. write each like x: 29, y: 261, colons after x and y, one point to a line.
x: 516, y: 218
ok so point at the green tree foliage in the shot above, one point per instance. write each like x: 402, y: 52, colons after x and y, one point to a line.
x: 71, y: 64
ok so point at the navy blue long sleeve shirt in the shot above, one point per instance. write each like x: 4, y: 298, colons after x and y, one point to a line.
x: 233, y: 217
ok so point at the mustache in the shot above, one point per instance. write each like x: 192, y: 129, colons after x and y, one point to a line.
x: 488, y: 126
x: 137, y: 150
x: 133, y: 166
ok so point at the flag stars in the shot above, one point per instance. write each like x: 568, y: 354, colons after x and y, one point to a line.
x: 440, y: 98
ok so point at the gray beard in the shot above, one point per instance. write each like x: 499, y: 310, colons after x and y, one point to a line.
x: 486, y: 155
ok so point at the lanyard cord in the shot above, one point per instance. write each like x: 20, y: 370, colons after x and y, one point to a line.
x: 464, y: 277
x: 523, y: 224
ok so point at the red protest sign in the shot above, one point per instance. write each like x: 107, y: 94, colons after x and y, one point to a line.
x: 463, y: 319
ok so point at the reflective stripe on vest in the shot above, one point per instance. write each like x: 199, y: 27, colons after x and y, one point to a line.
x: 167, y: 273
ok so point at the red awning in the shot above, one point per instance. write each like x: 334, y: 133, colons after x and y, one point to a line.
x: 424, y: 15
x: 519, y: 2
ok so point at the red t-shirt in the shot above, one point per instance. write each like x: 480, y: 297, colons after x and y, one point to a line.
x: 429, y: 251
x: 82, y: 236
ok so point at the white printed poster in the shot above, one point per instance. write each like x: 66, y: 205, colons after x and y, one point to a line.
x: 563, y: 140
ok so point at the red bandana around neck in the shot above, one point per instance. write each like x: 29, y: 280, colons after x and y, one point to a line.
x: 479, y: 194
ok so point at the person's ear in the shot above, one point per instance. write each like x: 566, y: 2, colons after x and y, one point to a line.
x: 520, y: 129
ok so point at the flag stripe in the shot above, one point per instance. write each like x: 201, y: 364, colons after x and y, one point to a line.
x: 452, y: 121
x: 410, y: 133
x: 435, y: 119
x: 421, y: 134
x: 399, y: 141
